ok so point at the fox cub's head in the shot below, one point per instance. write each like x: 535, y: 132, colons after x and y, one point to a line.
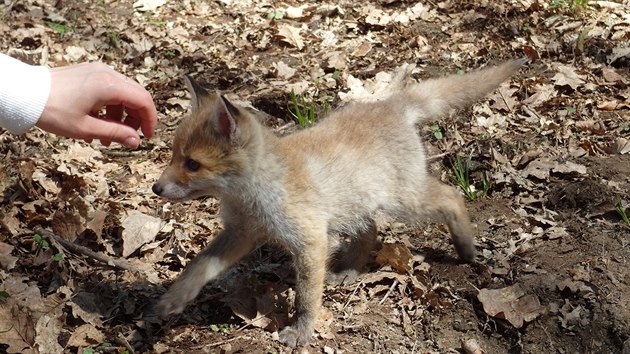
x: 210, y: 148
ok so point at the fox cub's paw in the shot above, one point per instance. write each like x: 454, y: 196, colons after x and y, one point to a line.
x: 293, y: 336
x: 171, y: 303
x: 466, y: 249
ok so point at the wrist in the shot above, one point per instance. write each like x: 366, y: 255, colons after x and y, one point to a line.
x: 23, y: 94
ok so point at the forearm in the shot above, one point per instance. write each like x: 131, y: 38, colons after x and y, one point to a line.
x: 24, y: 91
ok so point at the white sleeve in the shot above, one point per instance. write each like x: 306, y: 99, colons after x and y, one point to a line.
x: 24, y: 91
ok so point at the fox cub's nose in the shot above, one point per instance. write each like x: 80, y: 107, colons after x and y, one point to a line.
x: 157, y: 189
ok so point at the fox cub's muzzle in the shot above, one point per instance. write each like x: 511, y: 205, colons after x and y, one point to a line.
x: 157, y: 189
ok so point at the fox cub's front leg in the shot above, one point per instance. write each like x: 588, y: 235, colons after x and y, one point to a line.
x: 227, y: 248
x: 310, y: 263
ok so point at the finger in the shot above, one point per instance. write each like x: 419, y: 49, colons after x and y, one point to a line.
x: 114, y: 112
x: 132, y: 121
x: 137, y: 101
x: 147, y: 126
x: 108, y: 131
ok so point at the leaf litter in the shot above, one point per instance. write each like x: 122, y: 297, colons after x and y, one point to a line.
x: 552, y: 144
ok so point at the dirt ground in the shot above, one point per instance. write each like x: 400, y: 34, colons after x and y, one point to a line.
x: 548, y: 155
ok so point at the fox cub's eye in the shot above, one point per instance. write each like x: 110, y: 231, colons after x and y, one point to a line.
x: 191, y: 165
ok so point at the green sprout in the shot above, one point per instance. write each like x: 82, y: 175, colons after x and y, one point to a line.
x: 39, y: 240
x: 58, y: 257
x: 222, y: 328
x: 275, y: 15
x: 302, y: 112
x: 437, y: 131
x: 622, y: 213
x: 58, y: 27
x: 461, y: 176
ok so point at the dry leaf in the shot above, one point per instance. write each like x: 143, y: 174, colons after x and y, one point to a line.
x: 16, y: 329
x: 97, y: 222
x: 48, y: 329
x: 570, y: 316
x: 17, y: 315
x: 86, y: 335
x: 575, y: 287
x: 618, y: 53
x: 283, y: 70
x: 396, y: 255
x: 388, y: 277
x: 377, y: 17
x: 622, y: 146
x: 75, y: 54
x: 256, y: 309
x: 291, y: 35
x: 556, y: 232
x: 139, y: 229
x: 7, y: 261
x: 511, y: 303
x: 567, y: 76
x: 85, y: 306
x: 542, y: 94
x: 336, y: 60
x: 569, y: 168
x: 593, y: 126
x: 148, y: 5
x: 539, y: 168
x: 608, y: 105
x: 67, y: 224
x: 610, y: 75
x: 48, y: 184
x: 362, y: 49
x: 294, y: 12
x: 471, y: 347
x: 323, y: 325
x: 504, y: 99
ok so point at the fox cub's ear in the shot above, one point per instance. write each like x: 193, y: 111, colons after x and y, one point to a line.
x: 224, y: 119
x: 197, y: 92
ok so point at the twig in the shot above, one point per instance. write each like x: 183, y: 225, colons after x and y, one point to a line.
x: 505, y: 101
x: 119, y: 153
x: 351, y: 295
x: 125, y: 342
x: 216, y: 344
x: 73, y: 247
x: 548, y: 336
x: 251, y: 323
x: 391, y: 288
x: 436, y: 157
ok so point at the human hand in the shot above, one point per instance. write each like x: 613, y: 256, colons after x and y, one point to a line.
x: 79, y: 92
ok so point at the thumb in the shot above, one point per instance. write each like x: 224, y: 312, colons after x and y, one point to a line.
x: 111, y: 130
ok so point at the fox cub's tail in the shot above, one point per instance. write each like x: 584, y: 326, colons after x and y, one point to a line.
x: 434, y: 97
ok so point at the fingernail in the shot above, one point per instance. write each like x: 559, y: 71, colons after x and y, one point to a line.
x: 131, y: 142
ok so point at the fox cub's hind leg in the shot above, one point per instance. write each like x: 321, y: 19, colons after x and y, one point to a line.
x: 447, y: 205
x: 310, y: 264
x: 349, y: 259
x: 227, y: 248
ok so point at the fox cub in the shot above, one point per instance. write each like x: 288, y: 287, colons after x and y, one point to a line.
x: 305, y: 189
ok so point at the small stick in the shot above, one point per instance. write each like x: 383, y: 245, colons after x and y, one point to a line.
x: 351, y: 295
x: 73, y: 247
x: 118, y: 153
x: 216, y: 344
x: 437, y: 157
x: 125, y: 342
x: 391, y: 288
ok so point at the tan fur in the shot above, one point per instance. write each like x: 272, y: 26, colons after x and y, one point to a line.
x: 305, y: 189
